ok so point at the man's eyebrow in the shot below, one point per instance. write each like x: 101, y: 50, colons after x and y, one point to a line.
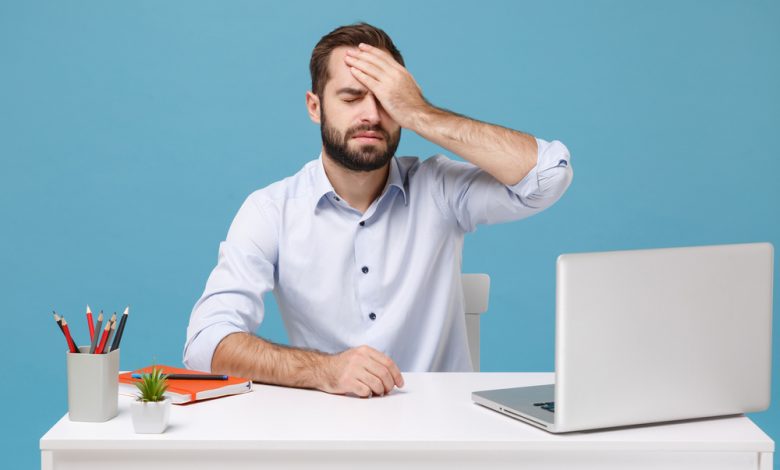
x: 351, y: 91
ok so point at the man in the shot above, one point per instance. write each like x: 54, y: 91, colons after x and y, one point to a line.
x: 363, y: 249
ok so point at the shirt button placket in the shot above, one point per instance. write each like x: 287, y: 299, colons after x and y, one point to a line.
x: 365, y: 282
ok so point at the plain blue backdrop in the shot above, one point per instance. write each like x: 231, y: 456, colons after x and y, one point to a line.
x: 131, y: 132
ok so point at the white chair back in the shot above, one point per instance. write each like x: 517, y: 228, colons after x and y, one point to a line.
x: 476, y: 290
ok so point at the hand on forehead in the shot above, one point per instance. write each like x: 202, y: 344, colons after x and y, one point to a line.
x: 340, y: 76
x: 340, y: 69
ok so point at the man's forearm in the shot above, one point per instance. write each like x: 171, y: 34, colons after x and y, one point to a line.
x: 246, y: 355
x: 506, y: 154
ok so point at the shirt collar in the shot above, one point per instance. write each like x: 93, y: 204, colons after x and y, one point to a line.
x: 322, y: 186
x: 320, y: 183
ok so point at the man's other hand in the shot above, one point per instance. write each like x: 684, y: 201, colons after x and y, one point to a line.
x: 389, y: 81
x: 361, y: 371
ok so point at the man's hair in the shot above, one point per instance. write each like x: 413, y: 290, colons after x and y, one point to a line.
x: 350, y: 35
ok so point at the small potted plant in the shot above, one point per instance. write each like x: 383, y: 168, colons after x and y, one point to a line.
x: 151, y: 410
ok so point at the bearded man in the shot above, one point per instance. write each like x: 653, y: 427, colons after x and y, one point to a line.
x: 361, y: 248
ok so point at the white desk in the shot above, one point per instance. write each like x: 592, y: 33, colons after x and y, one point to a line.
x: 431, y: 422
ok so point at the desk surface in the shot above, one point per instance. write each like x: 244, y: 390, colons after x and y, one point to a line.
x: 433, y: 411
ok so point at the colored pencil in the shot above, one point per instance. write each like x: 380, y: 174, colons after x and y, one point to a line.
x: 90, y: 324
x: 187, y: 376
x: 103, y: 338
x: 58, y: 320
x: 68, y: 337
x: 121, y: 329
x: 111, y: 330
x: 95, y: 337
x: 107, y: 348
x: 195, y: 377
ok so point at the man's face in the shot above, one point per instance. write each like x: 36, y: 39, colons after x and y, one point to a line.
x: 356, y: 131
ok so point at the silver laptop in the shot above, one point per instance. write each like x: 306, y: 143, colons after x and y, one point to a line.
x: 650, y: 336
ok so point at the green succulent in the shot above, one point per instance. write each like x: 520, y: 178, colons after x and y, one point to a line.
x: 152, y: 385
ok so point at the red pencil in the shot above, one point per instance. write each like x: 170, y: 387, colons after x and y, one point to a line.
x: 66, y: 330
x: 91, y: 324
x: 99, y: 349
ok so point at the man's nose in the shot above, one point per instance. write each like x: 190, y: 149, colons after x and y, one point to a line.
x: 370, y: 110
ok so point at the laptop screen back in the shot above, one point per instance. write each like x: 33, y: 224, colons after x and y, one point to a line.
x: 663, y: 334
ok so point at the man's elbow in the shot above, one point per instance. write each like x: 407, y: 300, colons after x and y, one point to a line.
x: 558, y: 182
x: 189, y: 360
x: 552, y: 184
x: 195, y: 357
x: 556, y: 179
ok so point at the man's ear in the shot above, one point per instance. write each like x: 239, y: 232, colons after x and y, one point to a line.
x: 313, y: 107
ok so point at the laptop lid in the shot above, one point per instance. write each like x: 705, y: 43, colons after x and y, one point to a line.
x: 664, y: 334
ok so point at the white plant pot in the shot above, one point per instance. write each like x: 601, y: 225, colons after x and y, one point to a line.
x: 150, y: 417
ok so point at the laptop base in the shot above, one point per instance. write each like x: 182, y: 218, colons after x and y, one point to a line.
x: 518, y: 403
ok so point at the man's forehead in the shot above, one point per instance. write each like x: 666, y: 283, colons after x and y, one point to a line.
x: 340, y: 78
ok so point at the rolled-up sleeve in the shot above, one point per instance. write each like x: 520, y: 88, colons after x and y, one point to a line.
x: 233, y: 298
x: 471, y: 196
x: 549, y: 179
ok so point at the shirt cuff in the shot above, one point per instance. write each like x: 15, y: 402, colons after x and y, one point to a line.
x: 200, y: 350
x: 549, y: 155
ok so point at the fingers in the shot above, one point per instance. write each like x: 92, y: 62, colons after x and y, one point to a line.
x: 359, y: 389
x: 389, y: 365
x: 367, y: 68
x: 376, y: 370
x: 373, y: 62
x: 365, y: 372
x: 382, y: 373
x: 368, y: 61
x: 374, y: 383
x: 379, y: 54
x: 367, y: 80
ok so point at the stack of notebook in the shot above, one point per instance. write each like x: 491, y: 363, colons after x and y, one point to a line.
x: 186, y: 391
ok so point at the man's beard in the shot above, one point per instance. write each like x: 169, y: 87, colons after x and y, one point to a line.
x: 367, y: 157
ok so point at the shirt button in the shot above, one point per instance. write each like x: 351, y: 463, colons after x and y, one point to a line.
x: 362, y: 223
x: 336, y: 198
x: 365, y: 269
x: 372, y: 316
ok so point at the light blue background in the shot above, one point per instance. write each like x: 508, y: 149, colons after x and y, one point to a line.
x: 130, y: 133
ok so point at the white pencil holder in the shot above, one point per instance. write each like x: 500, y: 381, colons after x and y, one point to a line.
x: 93, y: 384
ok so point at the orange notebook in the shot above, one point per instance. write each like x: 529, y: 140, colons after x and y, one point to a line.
x: 186, y: 391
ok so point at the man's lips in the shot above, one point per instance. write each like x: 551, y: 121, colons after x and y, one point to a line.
x: 368, y: 136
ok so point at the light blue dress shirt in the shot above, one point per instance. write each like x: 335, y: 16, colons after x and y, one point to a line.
x: 388, y: 278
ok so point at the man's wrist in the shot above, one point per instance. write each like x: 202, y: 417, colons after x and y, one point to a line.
x: 321, y: 372
x: 422, y: 118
